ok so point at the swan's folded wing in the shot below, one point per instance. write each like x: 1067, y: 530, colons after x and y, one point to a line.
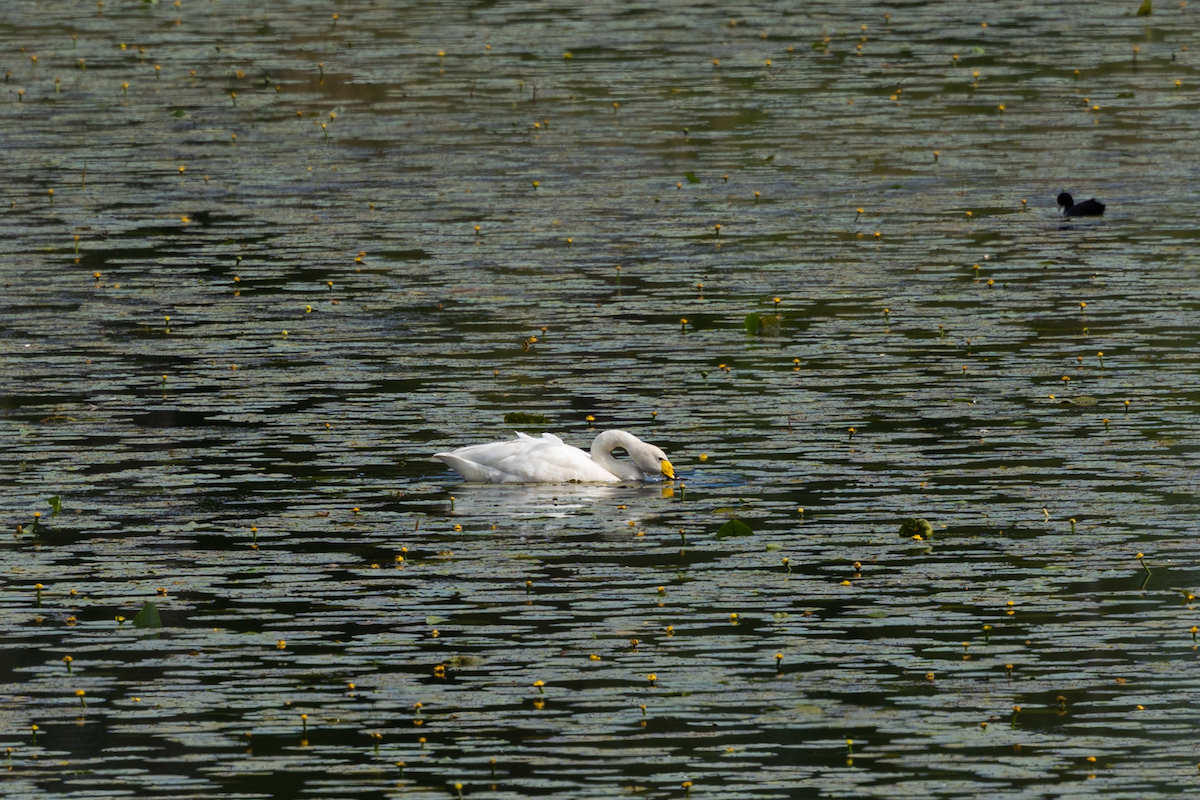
x: 471, y: 470
x: 486, y: 462
x: 493, y: 453
x: 551, y: 461
x: 526, y: 460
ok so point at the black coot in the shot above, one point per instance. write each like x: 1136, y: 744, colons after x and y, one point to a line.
x: 1088, y: 208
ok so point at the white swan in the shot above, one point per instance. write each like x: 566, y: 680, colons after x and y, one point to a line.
x: 549, y: 460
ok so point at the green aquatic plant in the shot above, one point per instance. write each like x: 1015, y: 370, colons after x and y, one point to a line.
x: 1145, y: 9
x: 522, y: 418
x: 148, y: 617
x: 734, y: 527
x: 916, y: 528
x: 767, y: 325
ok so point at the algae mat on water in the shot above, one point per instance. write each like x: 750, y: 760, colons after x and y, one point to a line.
x: 260, y: 263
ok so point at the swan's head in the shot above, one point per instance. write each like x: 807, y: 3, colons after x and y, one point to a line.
x: 648, y: 460
x: 653, y: 461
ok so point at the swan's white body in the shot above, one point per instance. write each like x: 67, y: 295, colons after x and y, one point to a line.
x: 550, y: 460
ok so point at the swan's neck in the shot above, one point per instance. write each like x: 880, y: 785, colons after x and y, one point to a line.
x: 602, y: 449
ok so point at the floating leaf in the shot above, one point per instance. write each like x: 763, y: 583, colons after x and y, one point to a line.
x: 691, y: 177
x: 766, y: 325
x: 734, y: 527
x: 916, y: 527
x: 55, y: 505
x: 521, y: 418
x: 148, y: 617
x: 820, y: 47
x: 1145, y: 9
x: 179, y: 112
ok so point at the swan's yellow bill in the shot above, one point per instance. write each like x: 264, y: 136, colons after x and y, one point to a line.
x: 667, y: 469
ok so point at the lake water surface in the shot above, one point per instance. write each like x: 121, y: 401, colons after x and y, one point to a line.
x: 260, y: 263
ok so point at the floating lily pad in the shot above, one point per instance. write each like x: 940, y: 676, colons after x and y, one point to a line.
x: 148, y: 617
x: 916, y: 528
x: 521, y: 418
x: 763, y: 325
x: 734, y: 527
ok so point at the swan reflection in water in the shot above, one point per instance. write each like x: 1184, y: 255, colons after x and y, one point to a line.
x: 532, y: 501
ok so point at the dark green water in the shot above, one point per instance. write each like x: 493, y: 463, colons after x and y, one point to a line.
x: 473, y: 188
